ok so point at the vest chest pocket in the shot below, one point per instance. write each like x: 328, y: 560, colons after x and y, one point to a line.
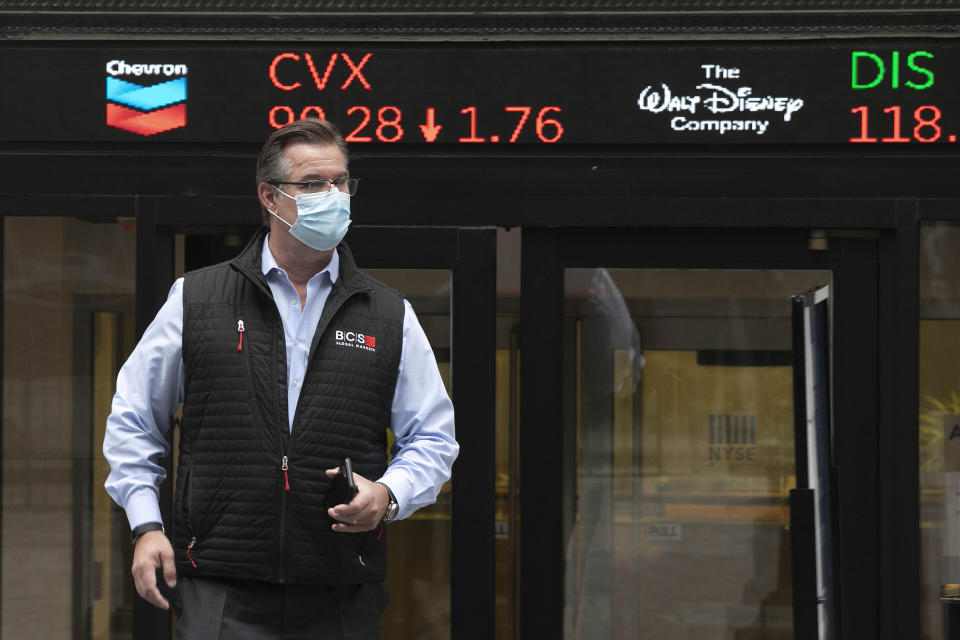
x: 186, y: 508
x: 246, y: 338
x: 195, y: 505
x: 244, y: 351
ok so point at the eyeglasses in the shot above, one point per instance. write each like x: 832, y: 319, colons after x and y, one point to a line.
x: 345, y: 185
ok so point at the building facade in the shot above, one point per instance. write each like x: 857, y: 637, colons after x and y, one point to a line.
x: 604, y: 214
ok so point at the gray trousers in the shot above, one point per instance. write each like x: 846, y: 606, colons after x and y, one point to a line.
x: 211, y: 609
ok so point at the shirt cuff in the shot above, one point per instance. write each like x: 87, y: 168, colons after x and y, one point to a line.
x: 143, y: 506
x: 402, y: 490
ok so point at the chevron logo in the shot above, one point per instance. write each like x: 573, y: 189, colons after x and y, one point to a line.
x: 146, y: 109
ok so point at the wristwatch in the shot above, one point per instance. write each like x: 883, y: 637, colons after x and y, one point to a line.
x: 390, y: 513
x: 142, y: 529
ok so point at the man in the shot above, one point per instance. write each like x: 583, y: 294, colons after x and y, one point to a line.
x: 287, y: 360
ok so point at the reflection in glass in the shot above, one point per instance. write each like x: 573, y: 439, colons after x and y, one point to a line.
x: 679, y: 395
x: 68, y: 325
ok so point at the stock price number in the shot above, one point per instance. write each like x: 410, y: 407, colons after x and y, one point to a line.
x: 386, y: 124
x: 924, y: 126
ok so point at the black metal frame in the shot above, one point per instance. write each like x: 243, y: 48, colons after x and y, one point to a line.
x: 898, y: 463
x: 471, y: 256
x: 861, y: 430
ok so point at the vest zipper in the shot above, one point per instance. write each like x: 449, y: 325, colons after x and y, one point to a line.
x: 360, y: 547
x: 241, y: 329
x: 284, y: 466
x: 193, y: 542
x: 187, y: 497
x: 283, y: 434
x: 365, y: 539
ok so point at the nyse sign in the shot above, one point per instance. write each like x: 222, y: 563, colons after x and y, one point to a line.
x: 732, y: 438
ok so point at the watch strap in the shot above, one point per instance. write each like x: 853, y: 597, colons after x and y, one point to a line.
x: 392, y: 506
x: 146, y: 527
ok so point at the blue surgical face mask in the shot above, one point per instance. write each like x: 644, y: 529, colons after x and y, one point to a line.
x: 322, y: 218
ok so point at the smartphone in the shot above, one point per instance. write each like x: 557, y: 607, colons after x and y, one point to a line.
x: 342, y: 487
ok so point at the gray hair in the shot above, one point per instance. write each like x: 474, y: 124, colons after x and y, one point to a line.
x: 271, y: 163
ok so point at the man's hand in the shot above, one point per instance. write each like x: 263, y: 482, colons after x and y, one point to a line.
x: 153, y: 551
x: 365, y: 511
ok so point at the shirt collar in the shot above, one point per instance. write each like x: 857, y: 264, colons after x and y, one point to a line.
x: 268, y: 263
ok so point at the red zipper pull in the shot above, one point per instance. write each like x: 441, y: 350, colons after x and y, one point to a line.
x: 286, y: 478
x: 193, y: 541
x: 240, y: 330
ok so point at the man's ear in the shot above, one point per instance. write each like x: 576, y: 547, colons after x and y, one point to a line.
x: 268, y: 196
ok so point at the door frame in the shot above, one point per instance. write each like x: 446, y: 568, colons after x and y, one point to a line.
x: 854, y: 259
x: 470, y: 255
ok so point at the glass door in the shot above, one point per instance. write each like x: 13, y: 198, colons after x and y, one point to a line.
x: 68, y: 301
x: 674, y: 419
x: 683, y: 427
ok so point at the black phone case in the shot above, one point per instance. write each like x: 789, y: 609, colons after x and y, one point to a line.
x: 342, y: 486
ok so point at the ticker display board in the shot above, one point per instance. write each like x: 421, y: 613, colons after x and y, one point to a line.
x: 855, y: 92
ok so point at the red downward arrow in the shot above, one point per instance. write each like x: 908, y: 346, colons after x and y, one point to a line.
x: 430, y: 131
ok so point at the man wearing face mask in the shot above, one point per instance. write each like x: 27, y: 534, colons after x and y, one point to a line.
x: 287, y: 359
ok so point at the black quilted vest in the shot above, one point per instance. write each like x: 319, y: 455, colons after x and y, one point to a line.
x: 237, y: 512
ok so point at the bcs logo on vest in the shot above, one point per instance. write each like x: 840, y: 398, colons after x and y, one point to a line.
x: 146, y: 109
x: 355, y: 340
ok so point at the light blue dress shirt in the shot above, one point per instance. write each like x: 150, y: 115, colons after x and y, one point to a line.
x: 150, y: 388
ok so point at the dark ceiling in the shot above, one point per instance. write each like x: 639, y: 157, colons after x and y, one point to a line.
x: 478, y: 20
